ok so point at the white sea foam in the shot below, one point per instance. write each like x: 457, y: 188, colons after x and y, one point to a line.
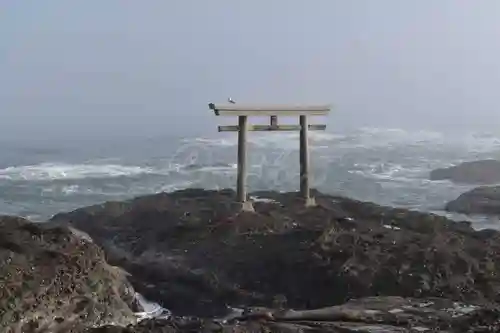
x: 53, y: 171
x: 220, y: 168
x: 70, y: 189
x: 58, y: 190
x: 151, y: 309
x: 393, y: 171
x: 227, y: 142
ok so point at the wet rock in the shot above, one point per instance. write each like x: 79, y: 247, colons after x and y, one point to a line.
x: 483, y: 200
x: 370, y: 315
x: 194, y: 254
x: 53, y: 280
x: 475, y: 172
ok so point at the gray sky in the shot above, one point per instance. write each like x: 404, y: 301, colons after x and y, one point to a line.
x: 77, y: 68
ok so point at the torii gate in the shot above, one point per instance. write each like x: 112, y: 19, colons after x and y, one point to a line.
x: 273, y: 111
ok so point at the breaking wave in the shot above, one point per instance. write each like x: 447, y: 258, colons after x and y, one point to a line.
x: 54, y: 171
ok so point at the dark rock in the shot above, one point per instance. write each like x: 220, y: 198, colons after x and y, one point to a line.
x: 189, y: 251
x: 475, y: 172
x: 52, y: 280
x: 369, y: 315
x: 483, y: 200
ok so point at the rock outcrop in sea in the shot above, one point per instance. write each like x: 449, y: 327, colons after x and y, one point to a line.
x: 484, y: 172
x: 56, y: 280
x: 483, y: 200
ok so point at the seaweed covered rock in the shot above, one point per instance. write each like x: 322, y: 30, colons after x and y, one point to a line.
x: 474, y: 172
x: 194, y: 253
x: 52, y: 280
x: 484, y: 200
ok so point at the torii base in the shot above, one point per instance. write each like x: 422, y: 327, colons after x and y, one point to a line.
x: 246, y: 206
x: 307, y: 202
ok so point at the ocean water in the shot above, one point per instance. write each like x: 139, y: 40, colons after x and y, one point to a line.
x: 383, y: 165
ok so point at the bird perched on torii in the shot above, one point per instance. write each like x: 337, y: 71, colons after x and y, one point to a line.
x: 230, y: 100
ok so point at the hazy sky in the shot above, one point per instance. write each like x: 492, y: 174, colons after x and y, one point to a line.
x: 118, y: 67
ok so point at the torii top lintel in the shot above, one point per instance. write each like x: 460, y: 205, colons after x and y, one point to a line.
x: 269, y: 110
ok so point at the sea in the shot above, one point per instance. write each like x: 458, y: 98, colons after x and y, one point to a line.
x: 388, y: 166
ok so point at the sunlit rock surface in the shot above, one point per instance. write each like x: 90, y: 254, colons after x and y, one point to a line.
x: 53, y: 280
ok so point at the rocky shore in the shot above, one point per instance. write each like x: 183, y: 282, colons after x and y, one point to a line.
x: 357, y: 266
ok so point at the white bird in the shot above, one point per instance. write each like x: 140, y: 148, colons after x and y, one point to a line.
x: 230, y: 100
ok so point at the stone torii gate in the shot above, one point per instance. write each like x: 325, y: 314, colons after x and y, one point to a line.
x: 273, y: 111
